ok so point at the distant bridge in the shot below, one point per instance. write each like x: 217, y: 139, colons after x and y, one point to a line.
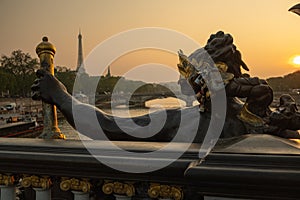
x: 137, y: 99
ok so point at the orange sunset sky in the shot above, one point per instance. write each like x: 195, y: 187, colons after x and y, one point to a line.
x: 267, y: 35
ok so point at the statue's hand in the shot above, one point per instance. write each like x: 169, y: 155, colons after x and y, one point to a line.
x: 47, y: 88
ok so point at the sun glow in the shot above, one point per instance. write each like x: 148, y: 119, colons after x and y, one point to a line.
x: 296, y: 61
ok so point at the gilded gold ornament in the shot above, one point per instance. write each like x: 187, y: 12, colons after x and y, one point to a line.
x: 6, y: 179
x: 75, y: 184
x: 165, y: 191
x: 43, y: 182
x: 46, y: 51
x: 110, y: 187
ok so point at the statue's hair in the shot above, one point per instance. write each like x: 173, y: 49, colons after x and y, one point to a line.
x: 221, y: 49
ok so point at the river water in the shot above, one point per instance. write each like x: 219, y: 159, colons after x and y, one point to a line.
x: 123, y: 111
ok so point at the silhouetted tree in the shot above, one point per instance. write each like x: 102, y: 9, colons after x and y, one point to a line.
x: 19, y: 63
x: 7, y: 82
x: 22, y: 66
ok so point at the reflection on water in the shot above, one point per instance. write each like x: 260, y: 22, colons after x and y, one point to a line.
x: 123, y: 111
x: 152, y: 106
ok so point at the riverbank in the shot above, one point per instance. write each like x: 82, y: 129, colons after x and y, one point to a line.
x: 22, y: 105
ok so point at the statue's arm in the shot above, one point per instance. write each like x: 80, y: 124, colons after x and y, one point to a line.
x: 91, y: 121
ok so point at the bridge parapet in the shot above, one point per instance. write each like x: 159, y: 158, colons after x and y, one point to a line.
x: 138, y: 100
x: 237, y: 168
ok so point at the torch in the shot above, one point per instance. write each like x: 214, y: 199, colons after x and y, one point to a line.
x: 45, y: 50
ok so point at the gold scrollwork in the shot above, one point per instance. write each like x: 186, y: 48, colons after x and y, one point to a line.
x: 75, y: 184
x: 6, y: 179
x: 43, y: 182
x: 110, y: 187
x: 165, y: 191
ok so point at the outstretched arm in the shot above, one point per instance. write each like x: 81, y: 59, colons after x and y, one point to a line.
x: 93, y: 122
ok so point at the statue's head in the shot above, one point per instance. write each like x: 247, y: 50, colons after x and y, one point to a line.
x: 221, y: 49
x: 220, y: 46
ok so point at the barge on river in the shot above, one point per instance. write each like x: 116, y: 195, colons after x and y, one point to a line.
x: 23, y: 129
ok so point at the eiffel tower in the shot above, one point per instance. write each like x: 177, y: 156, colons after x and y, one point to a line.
x: 80, y: 64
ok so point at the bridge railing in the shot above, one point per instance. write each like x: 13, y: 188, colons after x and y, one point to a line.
x: 66, y: 167
x: 58, y: 169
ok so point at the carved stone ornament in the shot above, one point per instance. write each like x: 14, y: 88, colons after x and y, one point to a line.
x: 110, y: 187
x: 165, y: 191
x: 6, y: 179
x: 75, y: 184
x: 36, y: 182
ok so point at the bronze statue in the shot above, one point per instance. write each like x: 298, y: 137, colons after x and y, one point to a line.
x: 251, y: 116
x: 255, y: 113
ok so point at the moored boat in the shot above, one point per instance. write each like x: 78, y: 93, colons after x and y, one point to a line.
x: 26, y: 129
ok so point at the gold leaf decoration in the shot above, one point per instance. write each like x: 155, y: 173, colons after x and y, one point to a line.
x: 36, y: 181
x: 6, y: 179
x: 75, y: 184
x: 165, y: 191
x: 110, y: 187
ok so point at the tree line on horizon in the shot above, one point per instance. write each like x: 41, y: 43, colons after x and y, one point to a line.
x: 285, y: 83
x: 17, y: 74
